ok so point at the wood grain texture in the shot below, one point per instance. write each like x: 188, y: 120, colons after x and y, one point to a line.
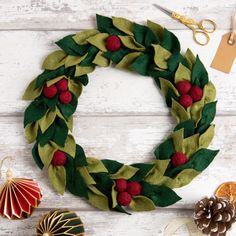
x: 120, y: 115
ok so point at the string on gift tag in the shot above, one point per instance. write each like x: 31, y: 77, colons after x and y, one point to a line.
x: 9, y: 172
x: 226, y: 51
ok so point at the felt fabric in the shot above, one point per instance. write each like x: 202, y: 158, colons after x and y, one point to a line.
x: 147, y: 50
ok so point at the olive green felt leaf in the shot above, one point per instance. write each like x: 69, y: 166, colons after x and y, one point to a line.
x: 190, y: 58
x: 129, y: 42
x: 31, y: 131
x: 182, y: 73
x: 123, y: 25
x: 206, y: 138
x: 179, y: 112
x: 125, y: 172
x: 97, y: 198
x: 99, y: 41
x: 57, y: 176
x: 74, y: 60
x: 83, y: 70
x: 86, y: 176
x: 142, y: 203
x: 75, y: 87
x: 31, y: 92
x: 161, y: 56
x: 191, y: 145
x: 95, y: 165
x: 128, y: 60
x: 196, y: 110
x: 70, y: 146
x: 54, y: 60
x: 100, y: 60
x: 178, y: 137
x: 81, y: 37
x: 166, y: 85
x: 47, y: 120
x: 114, y: 196
x: 55, y: 80
x: 46, y: 152
x: 209, y: 92
x: 156, y: 29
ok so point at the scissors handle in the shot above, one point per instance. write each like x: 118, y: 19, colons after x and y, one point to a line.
x: 207, y: 22
x: 205, y: 38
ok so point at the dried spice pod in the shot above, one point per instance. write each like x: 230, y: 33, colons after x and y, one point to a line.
x: 214, y: 216
x: 60, y: 222
x: 19, y: 197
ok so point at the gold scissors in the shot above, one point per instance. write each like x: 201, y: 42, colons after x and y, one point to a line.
x: 198, y: 28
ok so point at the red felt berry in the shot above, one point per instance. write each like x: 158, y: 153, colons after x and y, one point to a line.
x: 196, y: 93
x: 62, y: 85
x: 59, y: 158
x: 113, y: 43
x: 183, y: 86
x: 121, y: 185
x: 185, y: 100
x: 178, y: 159
x: 65, y: 97
x: 124, y: 199
x: 134, y: 188
x: 50, y: 91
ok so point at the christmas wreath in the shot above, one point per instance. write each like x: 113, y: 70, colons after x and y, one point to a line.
x: 107, y: 184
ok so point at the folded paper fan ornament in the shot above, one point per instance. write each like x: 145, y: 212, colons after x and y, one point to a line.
x: 60, y: 222
x: 18, y: 197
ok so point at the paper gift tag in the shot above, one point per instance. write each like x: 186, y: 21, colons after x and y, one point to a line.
x: 225, y: 54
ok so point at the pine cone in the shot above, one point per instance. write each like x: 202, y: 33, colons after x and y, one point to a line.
x: 214, y: 216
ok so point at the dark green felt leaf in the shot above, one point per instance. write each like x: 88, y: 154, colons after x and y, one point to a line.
x: 188, y: 127
x: 139, y: 32
x: 165, y: 150
x: 169, y: 96
x: 118, y: 55
x: 118, y: 208
x: 70, y: 47
x: 170, y: 42
x: 112, y: 166
x: 174, y: 61
x: 150, y: 38
x: 83, y: 79
x: 80, y: 159
x: 141, y: 64
x: 208, y: 115
x: 35, y: 111
x: 51, y: 103
x: 199, y: 74
x: 92, y: 52
x: 43, y: 138
x: 36, y: 156
x: 142, y: 172
x: 162, y: 196
x: 61, y: 132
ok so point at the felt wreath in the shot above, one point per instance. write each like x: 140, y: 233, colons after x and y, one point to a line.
x: 107, y: 184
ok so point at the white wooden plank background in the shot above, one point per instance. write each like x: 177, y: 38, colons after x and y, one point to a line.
x: 120, y: 115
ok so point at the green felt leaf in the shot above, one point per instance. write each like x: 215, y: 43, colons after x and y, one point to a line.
x: 182, y: 73
x: 47, y: 120
x: 86, y: 176
x: 161, y: 55
x: 83, y: 70
x: 191, y: 59
x: 141, y: 64
x: 179, y: 112
x: 35, y: 111
x: 123, y: 25
x: 70, y: 146
x: 31, y: 131
x: 54, y: 60
x: 100, y: 60
x: 178, y: 137
x: 31, y: 92
x: 75, y: 88
x: 209, y: 92
x: 57, y: 176
x: 36, y: 156
x: 188, y: 127
x: 114, y: 196
x: 165, y: 150
x: 161, y: 195
x: 128, y: 60
x: 81, y: 37
x: 83, y: 79
x: 170, y: 95
x: 139, y: 32
x: 156, y: 28
x: 199, y: 74
x: 170, y: 42
x: 80, y: 156
x: 129, y: 42
x: 117, y: 56
x: 74, y: 60
x: 125, y: 172
x: 46, y: 153
x: 142, y: 203
x: 167, y: 85
x: 95, y: 165
x: 55, y: 80
x: 191, y: 145
x: 97, y: 199
x: 99, y: 41
x: 44, y: 138
x: 112, y: 166
x: 60, y: 132
x: 91, y: 54
x: 144, y: 169
x: 206, y: 138
x: 174, y: 61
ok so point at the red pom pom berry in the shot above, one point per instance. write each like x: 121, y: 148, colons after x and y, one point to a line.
x: 62, y: 85
x: 185, y: 100
x: 50, y: 91
x: 134, y: 188
x: 59, y: 158
x: 183, y: 86
x: 196, y: 93
x: 121, y: 185
x: 178, y: 159
x: 124, y: 199
x: 65, y: 97
x: 113, y: 43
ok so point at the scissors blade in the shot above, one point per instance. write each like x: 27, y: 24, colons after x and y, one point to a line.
x: 163, y: 9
